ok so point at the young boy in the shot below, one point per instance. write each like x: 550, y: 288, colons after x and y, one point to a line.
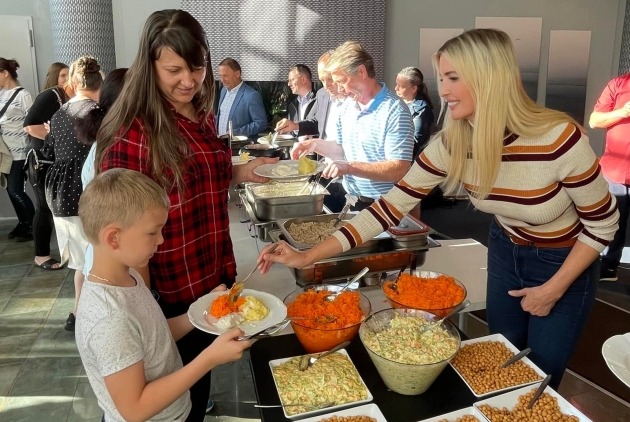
x: 126, y: 345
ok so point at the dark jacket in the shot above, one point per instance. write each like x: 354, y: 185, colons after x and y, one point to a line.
x: 293, y: 108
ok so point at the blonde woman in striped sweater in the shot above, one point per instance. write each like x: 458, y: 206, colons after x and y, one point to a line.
x: 532, y: 168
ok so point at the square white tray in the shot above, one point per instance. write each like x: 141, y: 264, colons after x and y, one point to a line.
x: 452, y: 416
x: 370, y: 410
x: 369, y: 398
x: 502, y: 339
x: 510, y: 399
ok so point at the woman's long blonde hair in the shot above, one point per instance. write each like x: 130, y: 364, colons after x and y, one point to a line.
x: 141, y: 97
x: 485, y: 62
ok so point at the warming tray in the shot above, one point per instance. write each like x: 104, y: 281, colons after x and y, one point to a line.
x: 367, y: 247
x: 268, y: 206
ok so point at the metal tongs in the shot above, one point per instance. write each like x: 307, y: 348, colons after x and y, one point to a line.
x: 520, y: 355
x: 539, y: 392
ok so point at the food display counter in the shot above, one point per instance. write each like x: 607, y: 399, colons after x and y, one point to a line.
x: 448, y: 392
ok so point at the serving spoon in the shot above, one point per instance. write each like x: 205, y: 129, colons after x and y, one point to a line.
x: 308, y: 360
x: 237, y: 288
x: 333, y: 296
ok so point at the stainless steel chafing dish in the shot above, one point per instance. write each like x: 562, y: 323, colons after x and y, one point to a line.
x: 369, y: 246
x: 391, y: 250
x: 273, y: 201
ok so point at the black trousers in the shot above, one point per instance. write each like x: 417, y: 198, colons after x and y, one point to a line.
x: 43, y: 224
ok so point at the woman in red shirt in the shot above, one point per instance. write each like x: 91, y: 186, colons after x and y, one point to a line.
x: 162, y: 125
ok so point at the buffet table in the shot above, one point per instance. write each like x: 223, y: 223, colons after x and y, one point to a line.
x: 448, y: 392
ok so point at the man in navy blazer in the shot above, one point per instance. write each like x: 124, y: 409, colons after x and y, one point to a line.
x: 239, y: 103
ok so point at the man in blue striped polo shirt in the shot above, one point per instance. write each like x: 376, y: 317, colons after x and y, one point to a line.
x: 374, y: 145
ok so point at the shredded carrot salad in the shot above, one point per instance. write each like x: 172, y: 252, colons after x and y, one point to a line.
x: 426, y: 293
x: 221, y: 306
x: 311, y: 304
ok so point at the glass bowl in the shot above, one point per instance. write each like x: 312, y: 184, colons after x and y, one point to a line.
x: 435, y: 349
x: 316, y: 336
x: 422, y: 298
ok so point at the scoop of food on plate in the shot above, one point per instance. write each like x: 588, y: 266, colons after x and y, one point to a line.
x: 225, y: 315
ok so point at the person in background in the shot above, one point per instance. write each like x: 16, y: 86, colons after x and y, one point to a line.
x: 126, y: 345
x: 612, y: 112
x: 87, y: 127
x: 328, y: 99
x: 63, y: 180
x: 173, y: 72
x: 411, y: 88
x: 301, y: 104
x: 374, y: 144
x: 16, y: 101
x: 40, y: 159
x: 324, y: 124
x: 57, y: 75
x: 531, y: 167
x: 239, y: 103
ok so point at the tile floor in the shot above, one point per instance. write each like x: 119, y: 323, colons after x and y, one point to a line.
x: 42, y: 379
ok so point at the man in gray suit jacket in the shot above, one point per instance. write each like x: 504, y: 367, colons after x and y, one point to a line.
x: 239, y: 103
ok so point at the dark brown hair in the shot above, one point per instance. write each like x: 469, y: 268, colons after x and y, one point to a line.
x: 231, y: 63
x: 52, y: 76
x: 141, y: 98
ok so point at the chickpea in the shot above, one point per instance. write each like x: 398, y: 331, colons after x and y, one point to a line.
x: 349, y: 419
x: 545, y: 409
x: 478, y: 363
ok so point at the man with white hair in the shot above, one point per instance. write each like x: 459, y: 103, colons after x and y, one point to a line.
x: 374, y: 145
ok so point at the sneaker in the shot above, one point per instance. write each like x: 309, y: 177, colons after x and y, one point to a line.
x: 69, y: 325
x: 608, y: 274
x: 209, y: 406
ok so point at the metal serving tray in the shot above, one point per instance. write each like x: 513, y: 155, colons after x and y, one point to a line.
x: 367, y: 247
x: 410, y: 233
x: 268, y: 207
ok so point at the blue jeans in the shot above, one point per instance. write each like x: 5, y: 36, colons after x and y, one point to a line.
x: 552, y: 338
x: 615, y: 249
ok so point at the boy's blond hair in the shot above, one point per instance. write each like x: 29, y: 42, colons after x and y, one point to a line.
x: 118, y: 196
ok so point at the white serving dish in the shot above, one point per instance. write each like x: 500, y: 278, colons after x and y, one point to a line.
x: 616, y: 353
x: 326, y: 410
x: 502, y: 339
x: 370, y: 410
x: 509, y: 400
x: 452, y: 416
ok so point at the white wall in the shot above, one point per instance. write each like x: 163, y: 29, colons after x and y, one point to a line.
x: 129, y: 18
x: 39, y: 10
x: 604, y: 18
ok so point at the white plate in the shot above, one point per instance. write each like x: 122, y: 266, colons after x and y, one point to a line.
x: 452, y: 416
x: 502, y: 339
x: 285, y: 137
x: 269, y: 170
x: 370, y: 410
x: 616, y: 352
x: 236, y: 160
x: 277, y: 312
x: 509, y: 400
x: 327, y: 410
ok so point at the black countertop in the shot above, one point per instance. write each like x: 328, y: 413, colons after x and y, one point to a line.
x: 448, y: 392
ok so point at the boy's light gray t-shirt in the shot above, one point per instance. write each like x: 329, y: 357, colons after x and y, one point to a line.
x: 119, y: 326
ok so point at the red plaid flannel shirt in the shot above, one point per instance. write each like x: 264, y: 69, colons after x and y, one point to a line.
x: 196, y: 255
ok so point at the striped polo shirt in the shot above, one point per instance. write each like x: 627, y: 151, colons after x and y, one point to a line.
x: 549, y: 189
x: 382, y: 131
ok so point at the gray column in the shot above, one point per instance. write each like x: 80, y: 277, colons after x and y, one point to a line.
x: 624, y: 54
x: 83, y: 27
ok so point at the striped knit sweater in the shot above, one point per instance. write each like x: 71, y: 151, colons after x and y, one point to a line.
x: 549, y: 189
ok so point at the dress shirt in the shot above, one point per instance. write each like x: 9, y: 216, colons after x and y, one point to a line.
x: 334, y: 113
x: 225, y: 107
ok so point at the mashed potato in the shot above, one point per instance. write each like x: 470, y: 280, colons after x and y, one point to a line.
x: 253, y: 309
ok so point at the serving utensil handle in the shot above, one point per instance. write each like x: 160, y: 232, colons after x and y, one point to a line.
x: 520, y: 355
x: 539, y: 392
